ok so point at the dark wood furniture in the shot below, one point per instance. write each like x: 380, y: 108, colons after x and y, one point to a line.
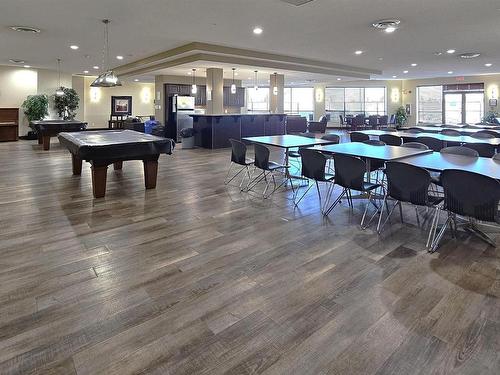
x: 215, y: 131
x: 439, y: 162
x: 102, y: 148
x: 9, y: 124
x: 46, y: 129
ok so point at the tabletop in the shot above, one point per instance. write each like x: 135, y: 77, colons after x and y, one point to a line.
x: 439, y: 162
x: 363, y: 150
x: 436, y: 129
x: 288, y: 141
x: 441, y: 137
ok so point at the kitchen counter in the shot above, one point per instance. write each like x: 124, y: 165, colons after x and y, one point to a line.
x: 215, y: 131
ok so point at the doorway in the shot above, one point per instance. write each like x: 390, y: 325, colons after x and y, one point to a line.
x: 463, y: 107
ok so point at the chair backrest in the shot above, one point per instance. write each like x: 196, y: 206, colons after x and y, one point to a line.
x: 238, y: 152
x: 261, y: 156
x: 391, y: 140
x: 485, y: 134
x: 313, y: 164
x: 459, y: 150
x: 358, y: 120
x: 484, y: 149
x: 433, y: 143
x: 308, y: 135
x: 296, y: 124
x: 373, y: 121
x: 414, y: 130
x: 416, y: 145
x: 471, y: 194
x: 392, y: 121
x: 358, y: 137
x: 349, y: 171
x: 331, y: 137
x: 389, y: 129
x: 341, y: 120
x: 496, y: 157
x: 323, y: 119
x: 452, y: 132
x: 374, y: 142
x: 383, y: 120
x: 317, y: 126
x: 408, y: 183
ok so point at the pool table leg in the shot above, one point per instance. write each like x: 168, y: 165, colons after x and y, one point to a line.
x: 46, y: 142
x: 40, y: 139
x: 150, y: 172
x: 118, y: 165
x: 77, y: 165
x: 99, y: 174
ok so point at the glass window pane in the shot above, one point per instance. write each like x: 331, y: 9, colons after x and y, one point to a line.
x: 430, y: 104
x: 453, y: 108
x: 334, y: 99
x: 375, y: 101
x: 474, y: 107
x: 258, y: 100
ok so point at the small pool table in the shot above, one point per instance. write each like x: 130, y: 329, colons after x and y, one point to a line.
x: 104, y: 147
x: 51, y: 128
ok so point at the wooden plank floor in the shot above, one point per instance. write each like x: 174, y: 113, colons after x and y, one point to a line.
x: 197, y: 278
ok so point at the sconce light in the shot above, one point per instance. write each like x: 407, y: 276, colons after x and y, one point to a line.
x: 95, y: 94
x: 395, y: 95
x: 146, y: 95
x: 319, y: 95
x: 494, y: 92
x: 275, y: 88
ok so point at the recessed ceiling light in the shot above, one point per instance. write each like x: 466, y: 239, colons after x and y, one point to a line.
x: 27, y: 29
x: 189, y: 73
x: 119, y: 57
x: 136, y: 80
x: 381, y: 58
x: 359, y: 52
x: 339, y: 79
x: 390, y: 29
x: 257, y: 30
x: 405, y: 72
x: 17, y: 61
x: 450, y: 51
x: 85, y: 71
x: 74, y: 46
x: 27, y: 66
x: 450, y: 72
x: 488, y: 65
x: 394, y: 76
x: 236, y: 74
x: 414, y: 64
x: 95, y: 67
x: 470, y: 55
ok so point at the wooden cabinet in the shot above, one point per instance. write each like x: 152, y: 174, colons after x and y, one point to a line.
x: 9, y: 124
x: 234, y: 100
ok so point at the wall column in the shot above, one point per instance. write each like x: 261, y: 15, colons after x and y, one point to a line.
x: 277, y: 102
x: 319, y: 101
x: 215, y: 91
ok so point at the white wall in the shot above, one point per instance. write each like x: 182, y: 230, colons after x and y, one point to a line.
x: 48, y: 83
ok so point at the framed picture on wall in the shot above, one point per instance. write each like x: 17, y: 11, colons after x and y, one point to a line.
x: 121, y: 105
x: 493, y: 102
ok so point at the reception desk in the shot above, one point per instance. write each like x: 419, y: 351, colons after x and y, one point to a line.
x: 214, y: 131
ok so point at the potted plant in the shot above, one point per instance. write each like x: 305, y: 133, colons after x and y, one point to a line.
x: 36, y: 108
x: 187, y: 135
x: 401, y: 116
x: 491, y: 117
x: 66, y: 104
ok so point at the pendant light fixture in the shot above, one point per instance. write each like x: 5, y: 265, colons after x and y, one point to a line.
x: 107, y: 78
x: 194, y: 89
x: 275, y: 88
x: 256, y: 83
x: 59, y: 91
x: 233, y: 86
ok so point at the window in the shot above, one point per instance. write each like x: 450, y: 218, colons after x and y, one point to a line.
x: 355, y: 100
x: 258, y: 100
x: 299, y: 100
x: 430, y: 104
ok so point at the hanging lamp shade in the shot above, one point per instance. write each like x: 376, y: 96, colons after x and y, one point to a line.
x: 108, y: 78
x: 233, y: 85
x: 60, y: 90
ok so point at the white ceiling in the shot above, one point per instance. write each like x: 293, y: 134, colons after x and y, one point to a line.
x: 329, y: 30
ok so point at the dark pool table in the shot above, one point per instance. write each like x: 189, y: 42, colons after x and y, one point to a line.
x: 104, y: 147
x: 51, y: 128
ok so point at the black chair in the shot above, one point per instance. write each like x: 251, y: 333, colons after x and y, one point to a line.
x: 358, y: 122
x: 469, y: 195
x: 391, y: 140
x: 313, y: 168
x: 486, y: 134
x: 383, y: 120
x: 433, y: 143
x: 296, y: 124
x: 358, y: 137
x: 451, y: 132
x: 318, y: 126
x: 239, y: 157
x: 350, y: 175
x: 389, y: 129
x: 484, y: 149
x: 417, y: 145
x: 407, y: 184
x: 460, y: 150
x: 331, y: 137
x: 342, y: 121
x: 268, y: 169
x: 414, y: 130
x: 373, y: 121
x: 392, y: 121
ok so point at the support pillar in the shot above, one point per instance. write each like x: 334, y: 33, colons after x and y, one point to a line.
x: 277, y: 97
x: 215, y: 91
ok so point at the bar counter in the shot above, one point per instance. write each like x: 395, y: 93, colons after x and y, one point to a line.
x: 214, y: 131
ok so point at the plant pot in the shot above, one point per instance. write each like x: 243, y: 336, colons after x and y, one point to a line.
x: 188, y: 142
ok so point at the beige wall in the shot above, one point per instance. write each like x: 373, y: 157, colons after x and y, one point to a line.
x: 97, y: 101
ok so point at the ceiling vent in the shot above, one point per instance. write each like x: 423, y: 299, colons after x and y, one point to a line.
x: 385, y: 24
x: 25, y: 29
x: 470, y: 55
x: 297, y: 2
x: 17, y: 61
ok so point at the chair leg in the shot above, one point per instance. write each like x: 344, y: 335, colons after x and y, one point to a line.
x: 436, y: 241
x: 480, y: 234
x: 309, y: 186
x: 227, y: 175
x: 416, y: 213
x: 401, y: 212
x: 431, y: 229
x: 336, y: 202
x: 378, y: 211
x: 384, y: 204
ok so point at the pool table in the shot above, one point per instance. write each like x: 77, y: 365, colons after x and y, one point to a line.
x: 104, y: 147
x: 51, y: 128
